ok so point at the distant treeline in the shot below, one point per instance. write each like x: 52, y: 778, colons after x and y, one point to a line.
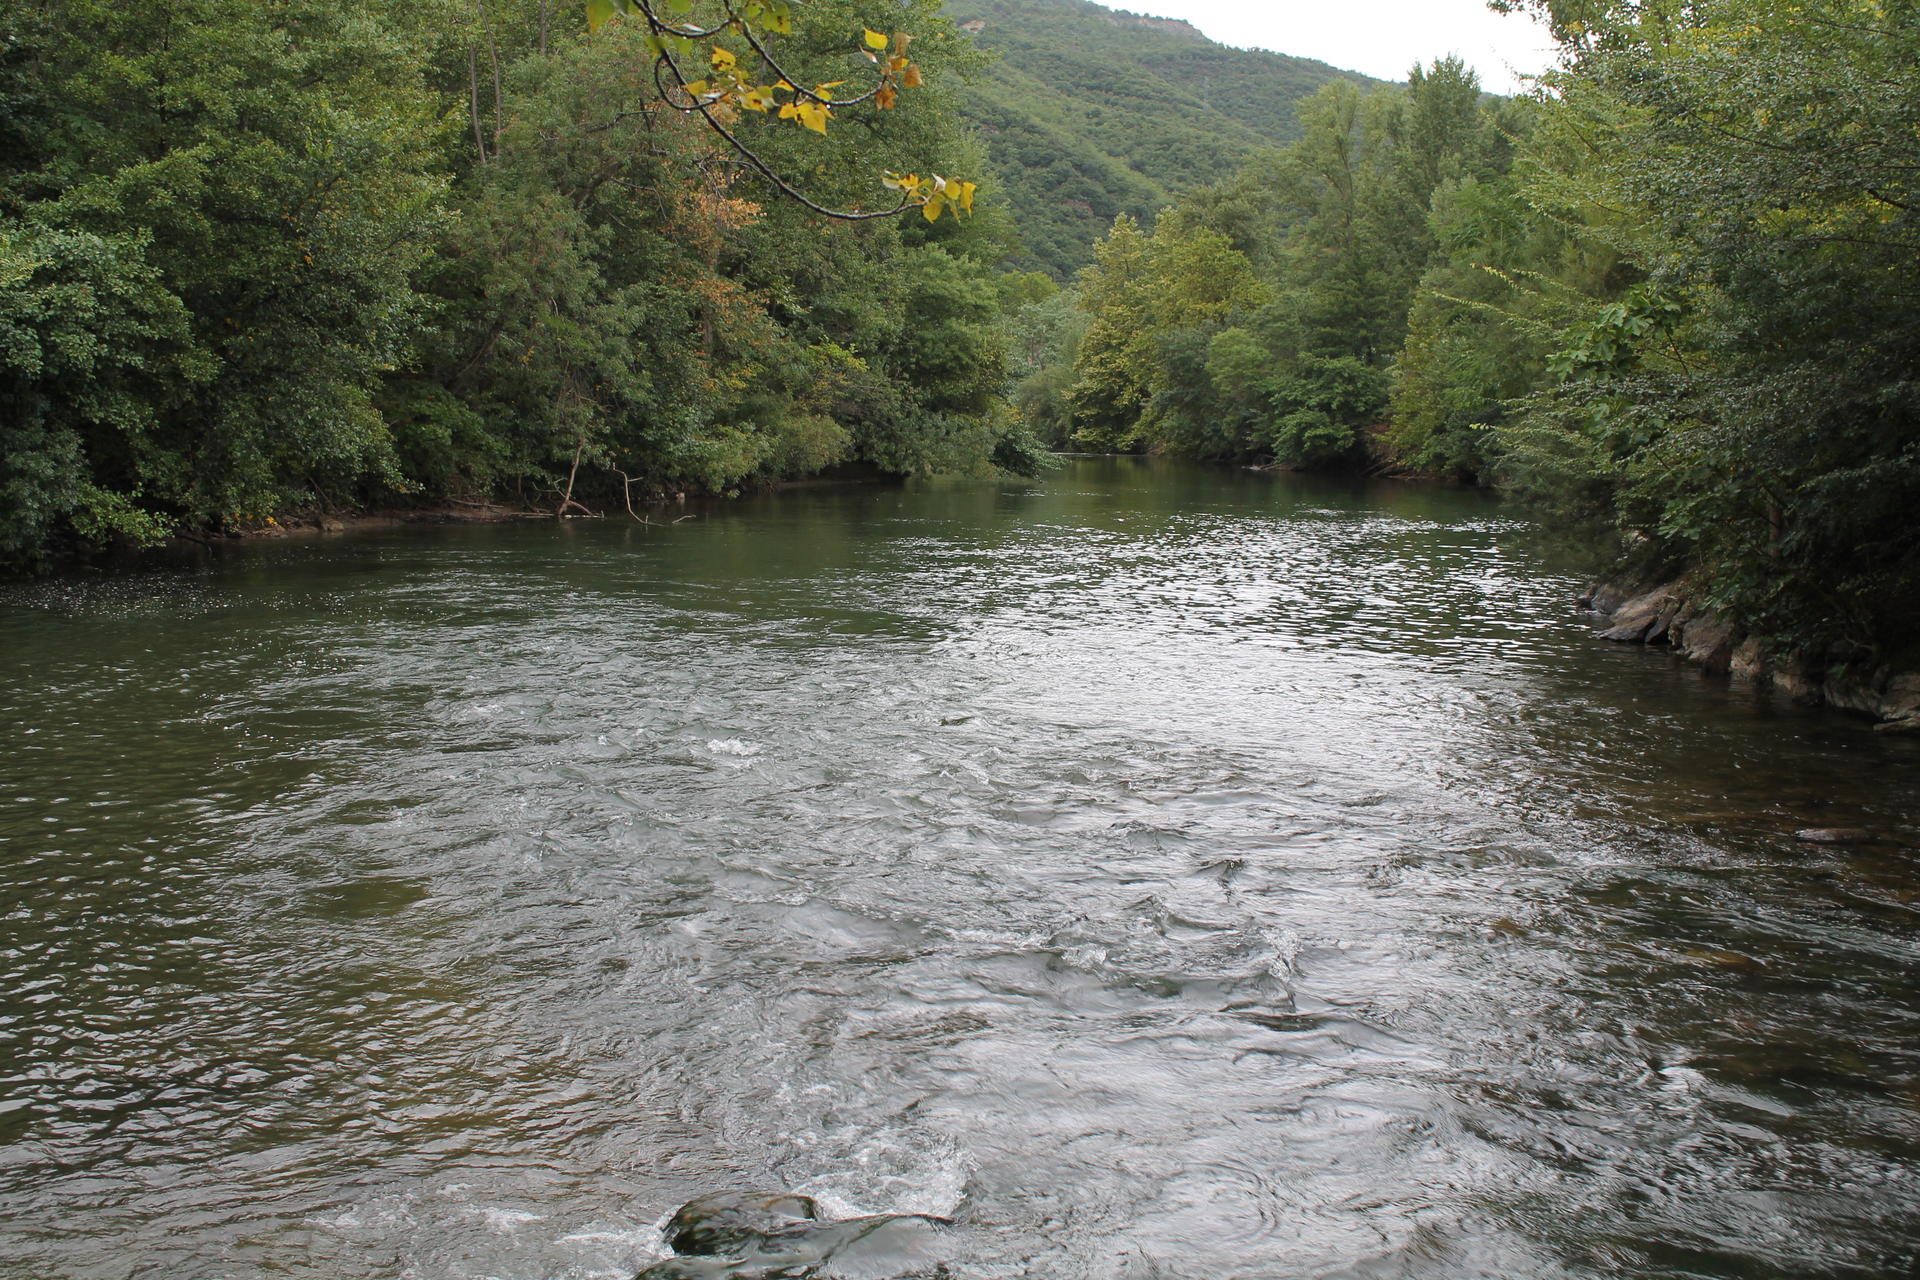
x: 258, y: 255
x: 1675, y: 292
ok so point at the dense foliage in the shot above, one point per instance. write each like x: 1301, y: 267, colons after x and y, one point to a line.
x: 1676, y: 292
x: 1261, y: 317
x: 1747, y: 405
x: 255, y: 256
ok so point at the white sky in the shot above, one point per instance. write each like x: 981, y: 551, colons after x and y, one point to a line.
x: 1377, y: 37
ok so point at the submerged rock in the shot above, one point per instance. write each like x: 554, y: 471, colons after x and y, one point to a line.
x: 760, y: 1235
x: 1836, y: 835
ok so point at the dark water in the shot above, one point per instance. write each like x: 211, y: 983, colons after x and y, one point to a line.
x: 1165, y: 873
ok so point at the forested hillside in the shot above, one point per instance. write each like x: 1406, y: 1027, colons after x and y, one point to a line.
x: 1088, y: 112
x: 256, y: 257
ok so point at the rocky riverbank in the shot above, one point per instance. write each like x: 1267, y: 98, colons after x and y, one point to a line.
x: 1663, y: 615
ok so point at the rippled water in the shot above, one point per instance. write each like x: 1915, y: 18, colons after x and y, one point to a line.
x: 1165, y: 873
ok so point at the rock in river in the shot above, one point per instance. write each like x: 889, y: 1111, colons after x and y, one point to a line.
x: 1836, y: 835
x: 761, y: 1235
x: 733, y: 1221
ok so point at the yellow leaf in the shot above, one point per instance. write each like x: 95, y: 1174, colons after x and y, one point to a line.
x: 931, y: 209
x: 874, y: 39
x: 813, y: 116
x: 723, y: 60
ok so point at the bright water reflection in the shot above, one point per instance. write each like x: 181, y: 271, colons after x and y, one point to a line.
x: 1167, y: 873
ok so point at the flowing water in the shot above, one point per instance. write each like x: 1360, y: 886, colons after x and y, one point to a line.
x: 1162, y: 872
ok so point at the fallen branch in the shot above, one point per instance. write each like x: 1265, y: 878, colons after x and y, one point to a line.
x: 626, y: 492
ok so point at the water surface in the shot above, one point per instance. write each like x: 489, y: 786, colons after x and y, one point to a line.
x: 1163, y: 872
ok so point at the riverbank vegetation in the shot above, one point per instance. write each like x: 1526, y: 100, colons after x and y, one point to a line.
x: 327, y: 253
x: 1675, y: 293
x: 257, y: 257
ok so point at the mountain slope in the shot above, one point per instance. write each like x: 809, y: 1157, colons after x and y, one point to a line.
x: 1088, y: 112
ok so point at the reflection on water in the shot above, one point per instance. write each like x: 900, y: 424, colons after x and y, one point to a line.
x: 1164, y: 872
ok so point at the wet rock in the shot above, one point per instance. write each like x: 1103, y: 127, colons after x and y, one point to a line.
x: 1705, y: 640
x: 1798, y: 682
x: 1605, y: 598
x: 1835, y: 835
x: 1750, y: 659
x: 1645, y: 619
x: 775, y: 1236
x: 734, y: 1221
x: 1852, y: 693
x: 1661, y: 615
x: 1902, y: 700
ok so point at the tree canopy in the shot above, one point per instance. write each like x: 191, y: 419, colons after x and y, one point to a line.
x: 259, y: 257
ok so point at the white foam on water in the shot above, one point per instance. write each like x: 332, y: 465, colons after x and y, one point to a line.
x: 617, y: 1251
x: 505, y: 1221
x: 894, y: 1173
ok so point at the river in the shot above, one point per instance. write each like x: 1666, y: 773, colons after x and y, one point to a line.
x: 1163, y: 872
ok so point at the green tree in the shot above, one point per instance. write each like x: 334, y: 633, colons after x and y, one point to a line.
x: 261, y: 256
x: 1749, y: 410
x: 264, y: 177
x: 1113, y: 364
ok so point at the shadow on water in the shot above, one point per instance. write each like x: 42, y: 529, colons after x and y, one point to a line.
x: 1158, y: 871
